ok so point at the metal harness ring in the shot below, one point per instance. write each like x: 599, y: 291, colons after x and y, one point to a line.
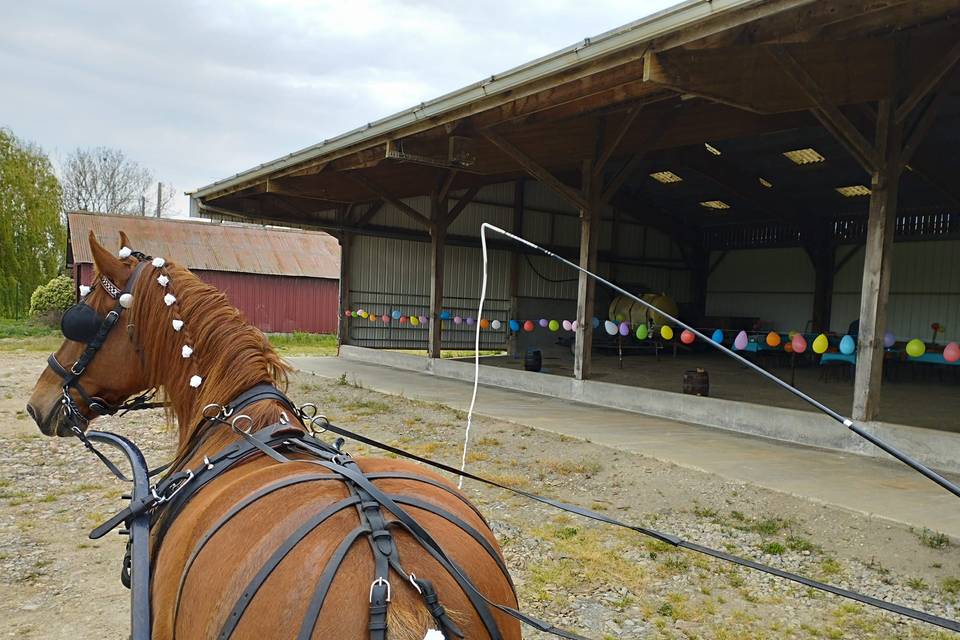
x: 233, y: 424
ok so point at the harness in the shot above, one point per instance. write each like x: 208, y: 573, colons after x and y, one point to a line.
x: 159, y: 506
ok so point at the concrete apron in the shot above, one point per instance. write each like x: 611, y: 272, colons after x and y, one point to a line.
x: 937, y: 449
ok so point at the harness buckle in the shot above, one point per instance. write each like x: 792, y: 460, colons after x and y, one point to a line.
x: 167, y: 497
x: 380, y: 582
x: 74, y: 371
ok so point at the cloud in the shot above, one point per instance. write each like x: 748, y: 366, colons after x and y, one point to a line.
x: 200, y: 91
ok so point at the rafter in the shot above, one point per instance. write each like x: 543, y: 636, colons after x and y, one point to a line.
x: 613, y: 185
x: 930, y: 82
x: 536, y: 170
x: 462, y: 203
x: 827, y: 113
x: 406, y: 209
x: 611, y: 147
x: 367, y: 215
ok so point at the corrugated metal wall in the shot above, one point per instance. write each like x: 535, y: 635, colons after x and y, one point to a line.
x: 274, y: 304
x: 388, y: 274
x: 924, y: 288
x: 774, y: 285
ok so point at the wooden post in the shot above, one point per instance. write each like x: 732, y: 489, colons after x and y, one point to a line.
x: 700, y: 274
x: 438, y: 236
x: 517, y: 228
x: 824, y: 268
x: 343, y: 327
x: 884, y: 187
x: 589, y: 237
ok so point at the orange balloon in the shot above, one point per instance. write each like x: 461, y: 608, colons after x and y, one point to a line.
x: 773, y: 339
x: 788, y: 347
x: 484, y: 323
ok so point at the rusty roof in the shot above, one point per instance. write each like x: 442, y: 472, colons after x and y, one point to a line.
x: 212, y: 246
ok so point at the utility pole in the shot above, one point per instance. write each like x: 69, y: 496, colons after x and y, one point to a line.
x: 143, y: 206
x: 159, y: 193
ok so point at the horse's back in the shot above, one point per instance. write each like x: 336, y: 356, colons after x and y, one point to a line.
x: 262, y: 535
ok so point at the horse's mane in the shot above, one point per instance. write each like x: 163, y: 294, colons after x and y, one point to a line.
x: 229, y: 354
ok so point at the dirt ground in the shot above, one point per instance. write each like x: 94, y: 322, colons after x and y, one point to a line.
x: 599, y: 580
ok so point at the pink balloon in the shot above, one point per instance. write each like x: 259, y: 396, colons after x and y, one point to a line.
x: 687, y: 337
x: 951, y: 353
x: 385, y: 318
x: 457, y: 319
x: 574, y: 325
x: 798, y: 343
x: 740, y: 342
x: 346, y: 313
x: 566, y: 325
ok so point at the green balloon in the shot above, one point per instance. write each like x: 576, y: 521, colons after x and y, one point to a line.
x: 554, y: 325
x: 916, y: 348
x: 619, y: 317
x: 642, y: 332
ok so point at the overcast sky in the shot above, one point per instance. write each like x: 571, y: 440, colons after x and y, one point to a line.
x: 197, y: 91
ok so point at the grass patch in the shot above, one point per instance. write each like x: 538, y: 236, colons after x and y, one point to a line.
x: 29, y: 328
x: 951, y: 586
x: 795, y: 543
x: 934, y: 539
x: 571, y: 467
x: 917, y: 584
x: 773, y: 548
x: 368, y: 407
x: 301, y: 343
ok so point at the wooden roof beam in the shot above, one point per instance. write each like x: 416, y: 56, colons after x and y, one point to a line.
x: 462, y: 203
x: 404, y: 208
x: 929, y: 83
x: 829, y: 114
x: 611, y: 147
x: 536, y: 170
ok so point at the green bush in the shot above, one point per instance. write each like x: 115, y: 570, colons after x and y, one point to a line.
x: 49, y: 301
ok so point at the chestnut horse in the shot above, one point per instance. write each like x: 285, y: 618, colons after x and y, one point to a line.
x: 194, y: 588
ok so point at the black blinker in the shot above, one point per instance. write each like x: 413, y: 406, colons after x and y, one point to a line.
x: 80, y: 323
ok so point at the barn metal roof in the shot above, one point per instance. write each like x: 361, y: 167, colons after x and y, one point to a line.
x: 212, y: 246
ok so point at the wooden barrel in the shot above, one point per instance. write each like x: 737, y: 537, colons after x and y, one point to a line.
x: 696, y: 382
x: 533, y: 361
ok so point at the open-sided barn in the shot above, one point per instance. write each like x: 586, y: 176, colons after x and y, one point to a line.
x: 771, y: 166
x: 283, y: 280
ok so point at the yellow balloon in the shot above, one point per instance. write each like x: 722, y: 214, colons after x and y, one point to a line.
x: 414, y: 320
x: 820, y: 344
x: 666, y: 332
x: 916, y: 348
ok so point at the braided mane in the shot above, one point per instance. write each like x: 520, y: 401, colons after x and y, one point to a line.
x: 229, y: 354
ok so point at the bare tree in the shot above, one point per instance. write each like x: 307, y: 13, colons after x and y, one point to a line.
x: 168, y: 194
x: 105, y: 180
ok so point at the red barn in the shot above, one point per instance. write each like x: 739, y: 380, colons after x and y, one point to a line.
x: 283, y: 280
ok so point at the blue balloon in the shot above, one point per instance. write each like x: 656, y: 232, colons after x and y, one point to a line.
x: 395, y: 315
x: 444, y: 315
x: 847, y: 345
x: 717, y: 336
x: 596, y: 322
x: 514, y: 326
x: 889, y: 339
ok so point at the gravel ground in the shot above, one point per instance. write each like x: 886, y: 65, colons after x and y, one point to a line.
x: 602, y: 581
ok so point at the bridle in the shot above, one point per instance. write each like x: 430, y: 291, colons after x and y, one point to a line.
x: 81, y: 323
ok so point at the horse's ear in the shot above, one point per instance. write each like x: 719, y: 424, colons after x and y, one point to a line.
x: 107, y: 263
x: 124, y: 240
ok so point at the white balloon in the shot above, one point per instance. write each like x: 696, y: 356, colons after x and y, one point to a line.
x: 495, y: 324
x: 612, y: 327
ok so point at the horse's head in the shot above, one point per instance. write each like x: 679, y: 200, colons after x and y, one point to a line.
x: 97, y: 367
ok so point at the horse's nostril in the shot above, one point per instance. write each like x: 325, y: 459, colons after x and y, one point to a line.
x: 33, y: 413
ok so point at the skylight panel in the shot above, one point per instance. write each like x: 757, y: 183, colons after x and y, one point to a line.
x: 716, y: 205
x: 804, y: 156
x: 666, y: 177
x: 853, y: 191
